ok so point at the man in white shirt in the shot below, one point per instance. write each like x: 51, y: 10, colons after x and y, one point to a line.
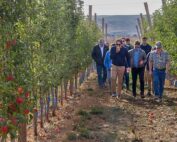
x: 98, y: 54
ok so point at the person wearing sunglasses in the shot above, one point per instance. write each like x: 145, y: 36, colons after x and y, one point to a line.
x: 119, y: 55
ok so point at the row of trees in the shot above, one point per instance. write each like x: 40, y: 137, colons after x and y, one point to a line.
x: 43, y: 45
x: 165, y: 29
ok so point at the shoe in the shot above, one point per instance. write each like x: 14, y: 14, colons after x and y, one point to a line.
x: 134, y: 95
x: 142, y: 96
x: 149, y: 94
x: 104, y: 86
x: 119, y: 96
x: 159, y: 100
x: 114, y: 95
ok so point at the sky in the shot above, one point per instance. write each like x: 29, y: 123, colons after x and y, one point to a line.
x: 121, y: 7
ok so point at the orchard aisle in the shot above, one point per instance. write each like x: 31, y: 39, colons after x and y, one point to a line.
x: 93, y: 116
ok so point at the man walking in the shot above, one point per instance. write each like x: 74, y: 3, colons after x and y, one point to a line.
x: 147, y: 49
x: 128, y: 46
x: 150, y: 77
x: 137, y: 60
x: 98, y: 54
x: 159, y: 60
x: 119, y: 55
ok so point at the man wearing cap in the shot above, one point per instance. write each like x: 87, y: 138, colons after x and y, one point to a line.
x: 128, y: 46
x: 159, y: 60
x: 147, y: 49
x: 98, y: 54
x: 137, y: 60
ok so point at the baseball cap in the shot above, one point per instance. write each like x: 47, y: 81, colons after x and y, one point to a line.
x: 158, y: 44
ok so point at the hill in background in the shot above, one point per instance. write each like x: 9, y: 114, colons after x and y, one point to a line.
x: 124, y: 25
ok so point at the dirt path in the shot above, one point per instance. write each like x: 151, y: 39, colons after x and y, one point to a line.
x: 93, y: 116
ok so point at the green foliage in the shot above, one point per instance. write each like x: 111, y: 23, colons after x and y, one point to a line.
x: 72, y: 136
x: 96, y: 111
x: 165, y: 30
x: 41, y: 43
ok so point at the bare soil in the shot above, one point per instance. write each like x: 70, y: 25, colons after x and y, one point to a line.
x: 92, y: 115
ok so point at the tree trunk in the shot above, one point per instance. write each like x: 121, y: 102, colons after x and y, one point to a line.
x: 48, y: 105
x: 22, y: 132
x: 65, y: 88
x: 53, y: 101
x: 76, y: 82
x: 41, y: 109
x: 71, y: 87
x: 35, y: 113
x: 61, y: 93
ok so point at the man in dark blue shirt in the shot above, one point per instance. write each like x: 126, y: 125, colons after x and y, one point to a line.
x: 147, y: 49
x: 119, y: 55
x: 128, y: 46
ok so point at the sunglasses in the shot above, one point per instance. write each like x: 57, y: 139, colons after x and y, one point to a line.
x: 118, y: 44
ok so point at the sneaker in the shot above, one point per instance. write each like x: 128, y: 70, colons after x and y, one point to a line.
x: 114, y: 95
x: 119, y: 96
x: 159, y: 100
x: 134, y: 95
x: 149, y: 94
x: 142, y: 95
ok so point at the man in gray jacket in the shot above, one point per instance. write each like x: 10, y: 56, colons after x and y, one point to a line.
x: 137, y: 62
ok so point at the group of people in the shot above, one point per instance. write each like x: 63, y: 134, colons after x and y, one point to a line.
x: 116, y: 62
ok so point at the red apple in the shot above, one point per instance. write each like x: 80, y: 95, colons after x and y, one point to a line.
x: 27, y: 94
x: 26, y: 111
x: 8, y: 44
x: 4, y: 129
x: 10, y: 78
x: 20, y: 90
x: 14, y: 42
x: 19, y: 100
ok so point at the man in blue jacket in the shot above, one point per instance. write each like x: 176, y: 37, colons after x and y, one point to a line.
x: 108, y: 65
x: 98, y: 54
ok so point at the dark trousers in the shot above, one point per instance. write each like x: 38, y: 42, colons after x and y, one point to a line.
x: 135, y: 73
x: 102, y: 74
x: 126, y: 79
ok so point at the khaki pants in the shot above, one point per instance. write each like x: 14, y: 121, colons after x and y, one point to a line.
x: 149, y: 82
x: 146, y: 73
x: 117, y: 71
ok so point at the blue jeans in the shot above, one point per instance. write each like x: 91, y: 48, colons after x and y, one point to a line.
x: 158, y: 80
x: 102, y: 74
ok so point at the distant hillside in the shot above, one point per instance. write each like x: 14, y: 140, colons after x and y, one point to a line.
x: 120, y: 24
